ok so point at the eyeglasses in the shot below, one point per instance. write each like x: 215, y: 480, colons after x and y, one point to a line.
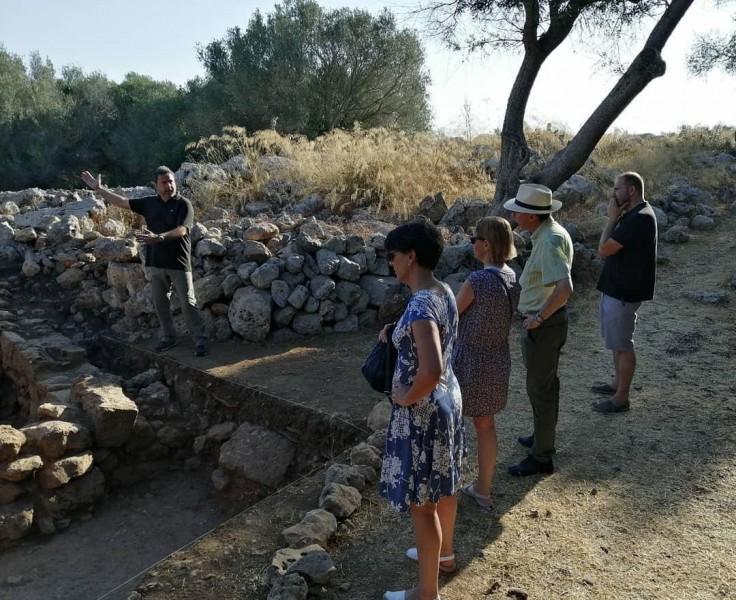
x: 475, y: 238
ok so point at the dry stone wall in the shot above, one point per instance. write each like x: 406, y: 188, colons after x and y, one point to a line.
x: 80, y: 431
x: 279, y: 270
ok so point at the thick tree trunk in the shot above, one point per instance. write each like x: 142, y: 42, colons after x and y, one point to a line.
x: 647, y: 65
x: 514, y: 151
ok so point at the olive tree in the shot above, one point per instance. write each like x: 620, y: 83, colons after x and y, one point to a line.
x: 711, y: 51
x: 303, y: 69
x: 538, y: 27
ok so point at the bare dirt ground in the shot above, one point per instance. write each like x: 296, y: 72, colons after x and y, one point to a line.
x: 130, y: 531
x: 641, y: 504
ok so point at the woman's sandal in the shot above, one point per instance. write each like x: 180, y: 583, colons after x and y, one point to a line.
x: 483, y: 500
x: 413, y: 554
x: 400, y: 595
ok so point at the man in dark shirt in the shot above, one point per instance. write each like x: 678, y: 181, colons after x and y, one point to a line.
x: 169, y: 217
x: 629, y: 246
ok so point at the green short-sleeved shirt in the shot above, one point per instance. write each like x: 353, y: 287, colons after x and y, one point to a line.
x: 549, y: 262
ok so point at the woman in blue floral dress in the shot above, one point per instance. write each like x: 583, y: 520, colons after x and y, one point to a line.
x: 425, y: 441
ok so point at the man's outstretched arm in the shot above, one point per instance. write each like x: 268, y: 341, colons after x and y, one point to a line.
x: 94, y: 183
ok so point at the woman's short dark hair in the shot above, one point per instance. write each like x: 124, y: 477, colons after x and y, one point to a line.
x: 420, y: 235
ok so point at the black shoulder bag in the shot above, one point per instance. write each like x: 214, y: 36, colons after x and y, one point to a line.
x: 378, y: 368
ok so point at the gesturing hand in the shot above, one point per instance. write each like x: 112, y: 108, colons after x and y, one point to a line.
x: 146, y: 237
x: 92, y: 181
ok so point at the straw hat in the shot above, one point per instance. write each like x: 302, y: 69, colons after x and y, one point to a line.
x: 533, y: 198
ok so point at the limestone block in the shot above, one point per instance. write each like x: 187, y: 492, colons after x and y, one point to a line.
x: 349, y: 270
x: 317, y: 527
x: 15, y: 520
x: 263, y: 276
x: 341, y: 500
x: 257, y: 454
x: 377, y: 288
x: 62, y: 349
x: 112, y: 414
x: 143, y: 435
x: 221, y: 432
x: 30, y: 267
x: 126, y: 275
x: 115, y: 250
x: 363, y: 454
x: 255, y: 252
x: 207, y: 290
x: 57, y: 411
x: 316, y: 566
x: 52, y: 439
x: 289, y: 587
x: 54, y: 474
x: 20, y: 468
x: 321, y: 286
x: 347, y: 325
x: 345, y: 475
x: 55, y: 389
x: 70, y: 278
x: 377, y: 439
x: 11, y: 441
x: 10, y: 491
x: 379, y: 416
x: 209, y: 247
x: 65, y: 229
x: 78, y: 493
x: 250, y: 313
x: 306, y: 324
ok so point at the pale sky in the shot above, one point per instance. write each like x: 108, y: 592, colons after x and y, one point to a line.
x: 159, y: 38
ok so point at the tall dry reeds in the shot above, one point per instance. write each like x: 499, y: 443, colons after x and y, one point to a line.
x: 390, y: 170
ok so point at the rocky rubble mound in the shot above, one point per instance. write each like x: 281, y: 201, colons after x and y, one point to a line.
x: 277, y: 269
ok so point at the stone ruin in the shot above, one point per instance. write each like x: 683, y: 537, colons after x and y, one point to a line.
x: 79, y: 430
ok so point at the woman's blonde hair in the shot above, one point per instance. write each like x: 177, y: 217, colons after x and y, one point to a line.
x: 497, y: 232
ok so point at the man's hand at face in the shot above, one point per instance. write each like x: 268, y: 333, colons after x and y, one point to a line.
x: 614, y: 209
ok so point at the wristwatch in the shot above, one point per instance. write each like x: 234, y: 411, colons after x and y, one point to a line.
x: 160, y: 238
x: 539, y: 318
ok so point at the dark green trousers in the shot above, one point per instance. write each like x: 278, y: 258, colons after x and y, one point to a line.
x: 541, y: 349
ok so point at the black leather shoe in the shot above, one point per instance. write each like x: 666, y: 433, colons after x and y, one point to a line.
x: 526, y: 440
x: 531, y: 466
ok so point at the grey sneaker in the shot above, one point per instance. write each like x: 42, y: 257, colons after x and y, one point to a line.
x: 166, y: 344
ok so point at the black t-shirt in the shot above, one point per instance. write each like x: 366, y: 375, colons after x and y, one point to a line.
x: 629, y: 274
x: 161, y: 217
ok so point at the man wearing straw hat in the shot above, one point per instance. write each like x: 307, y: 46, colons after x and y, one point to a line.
x: 545, y: 289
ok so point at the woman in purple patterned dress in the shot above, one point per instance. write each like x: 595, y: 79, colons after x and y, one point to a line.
x: 481, y: 359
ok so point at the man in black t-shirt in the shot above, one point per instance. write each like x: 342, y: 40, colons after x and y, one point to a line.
x: 629, y: 246
x: 168, y: 249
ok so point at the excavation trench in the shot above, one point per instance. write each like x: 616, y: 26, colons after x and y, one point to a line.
x: 159, y: 500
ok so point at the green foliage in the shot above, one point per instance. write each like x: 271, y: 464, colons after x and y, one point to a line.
x: 52, y: 128
x: 303, y: 70
x: 712, y: 51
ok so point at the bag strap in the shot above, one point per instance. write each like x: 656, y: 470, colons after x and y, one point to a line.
x: 505, y: 289
x: 388, y: 371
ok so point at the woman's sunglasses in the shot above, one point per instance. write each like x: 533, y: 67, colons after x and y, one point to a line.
x: 475, y: 238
